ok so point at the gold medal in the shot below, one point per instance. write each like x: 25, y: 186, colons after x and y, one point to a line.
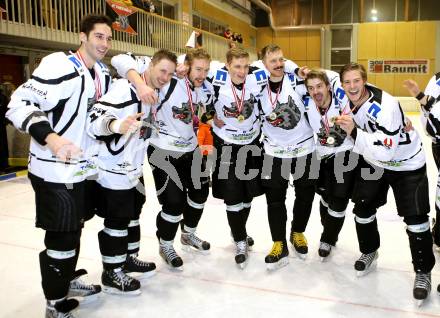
x: 330, y: 140
x: 273, y: 116
x: 240, y: 118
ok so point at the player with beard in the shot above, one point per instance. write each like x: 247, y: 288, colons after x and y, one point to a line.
x: 236, y: 131
x: 52, y: 107
x: 375, y: 122
x: 171, y: 152
x: 122, y: 121
x: 289, y: 148
x: 325, y: 101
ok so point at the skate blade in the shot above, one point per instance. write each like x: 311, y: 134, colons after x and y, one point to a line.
x: 242, y: 265
x: 300, y: 255
x: 420, y: 302
x: 115, y: 291
x: 141, y: 276
x: 281, y: 263
x: 324, y: 258
x: 370, y: 269
x: 192, y: 249
x: 171, y: 268
x: 84, y: 300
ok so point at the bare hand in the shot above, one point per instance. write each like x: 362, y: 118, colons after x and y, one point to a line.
x: 218, y: 122
x: 62, y: 148
x: 346, y: 123
x: 412, y: 87
x: 128, y: 125
x: 182, y: 70
x: 146, y: 94
x: 303, y: 71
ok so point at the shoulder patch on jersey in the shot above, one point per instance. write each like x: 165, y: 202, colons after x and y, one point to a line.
x: 260, y: 75
x: 339, y: 94
x: 221, y: 75
x: 291, y: 77
x: 306, y: 100
x: 374, y: 110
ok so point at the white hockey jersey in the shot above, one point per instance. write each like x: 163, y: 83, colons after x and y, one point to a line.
x: 240, y: 113
x: 121, y: 157
x: 57, y: 98
x: 380, y: 135
x: 174, y: 117
x: 331, y: 139
x: 430, y: 115
x: 287, y: 134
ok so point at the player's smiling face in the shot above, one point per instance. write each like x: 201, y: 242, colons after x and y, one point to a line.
x: 274, y: 63
x: 319, y: 92
x: 161, y: 73
x: 198, y: 71
x: 353, y: 85
x: 97, y: 43
x: 238, y: 69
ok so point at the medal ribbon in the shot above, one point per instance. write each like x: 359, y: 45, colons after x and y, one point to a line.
x: 188, y: 91
x: 153, y: 110
x: 238, y: 101
x: 97, y: 81
x: 273, y: 103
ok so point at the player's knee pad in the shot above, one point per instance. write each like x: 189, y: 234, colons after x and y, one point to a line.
x: 365, y: 220
x: 171, y: 216
x: 338, y: 204
x: 62, y: 241
x: 196, y: 202
x: 364, y: 210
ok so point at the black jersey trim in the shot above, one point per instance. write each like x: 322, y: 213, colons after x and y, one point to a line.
x: 75, y: 114
x: 55, y: 81
x: 57, y: 161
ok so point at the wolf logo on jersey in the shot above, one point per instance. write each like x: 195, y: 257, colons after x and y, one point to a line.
x: 288, y: 115
x: 248, y: 108
x: 184, y: 113
x: 336, y: 136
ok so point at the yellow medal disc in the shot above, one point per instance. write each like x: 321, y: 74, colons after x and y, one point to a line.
x: 240, y: 118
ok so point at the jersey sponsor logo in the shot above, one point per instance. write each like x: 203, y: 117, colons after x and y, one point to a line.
x: 373, y: 111
x: 339, y: 94
x: 260, y: 75
x: 438, y: 82
x: 221, y: 76
x: 306, y: 100
x: 30, y: 86
x: 287, y: 114
x: 388, y: 143
x: 246, y: 111
x: 75, y: 61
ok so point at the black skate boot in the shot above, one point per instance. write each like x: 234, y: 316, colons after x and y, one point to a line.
x: 169, y: 255
x: 241, y: 254
x: 436, y: 233
x: 366, y: 263
x: 250, y: 242
x: 139, y: 268
x: 299, y: 242
x: 324, y: 251
x: 81, y: 291
x: 190, y: 241
x: 61, y: 309
x: 278, y: 256
x: 115, y: 281
x: 422, y: 287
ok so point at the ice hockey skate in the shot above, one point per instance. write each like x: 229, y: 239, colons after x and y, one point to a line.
x: 249, y: 239
x: 169, y: 255
x: 115, y: 281
x: 436, y: 234
x: 299, y: 243
x: 422, y: 287
x: 324, y: 251
x: 366, y: 263
x: 61, y: 309
x: 81, y: 291
x: 191, y: 242
x: 241, y: 254
x: 278, y: 256
x: 139, y: 269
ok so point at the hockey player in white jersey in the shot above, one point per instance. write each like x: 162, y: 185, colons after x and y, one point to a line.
x: 52, y: 107
x: 122, y: 121
x: 376, y: 125
x: 289, y: 149
x: 236, y: 132
x: 430, y: 114
x: 324, y: 102
x: 171, y: 153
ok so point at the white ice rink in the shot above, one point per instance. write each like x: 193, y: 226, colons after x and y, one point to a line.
x: 212, y: 285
